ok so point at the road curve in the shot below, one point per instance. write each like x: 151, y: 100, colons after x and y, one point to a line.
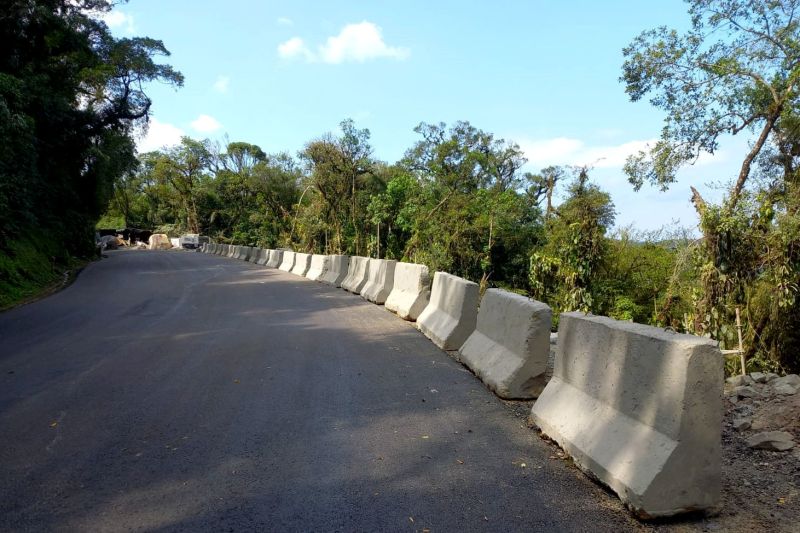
x: 175, y: 391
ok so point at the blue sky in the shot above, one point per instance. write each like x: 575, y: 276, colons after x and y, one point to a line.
x: 542, y: 74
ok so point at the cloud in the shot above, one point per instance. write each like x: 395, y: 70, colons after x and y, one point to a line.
x: 295, y: 47
x: 159, y: 135
x: 206, y: 124
x: 355, y: 43
x: 568, y: 151
x: 284, y: 21
x: 118, y: 20
x: 221, y: 84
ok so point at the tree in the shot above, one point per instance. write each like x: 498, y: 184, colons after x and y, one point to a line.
x: 735, y: 70
x: 469, y: 213
x: 183, y: 168
x: 565, y: 271
x: 71, y: 96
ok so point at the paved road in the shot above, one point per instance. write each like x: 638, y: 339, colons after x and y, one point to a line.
x: 174, y: 391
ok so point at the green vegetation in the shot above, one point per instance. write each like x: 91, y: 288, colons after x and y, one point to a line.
x: 459, y: 200
x: 736, y: 70
x: 70, y: 98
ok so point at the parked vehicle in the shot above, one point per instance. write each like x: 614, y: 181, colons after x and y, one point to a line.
x: 189, y: 241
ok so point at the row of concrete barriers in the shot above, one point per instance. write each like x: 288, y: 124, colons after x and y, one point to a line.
x: 637, y: 407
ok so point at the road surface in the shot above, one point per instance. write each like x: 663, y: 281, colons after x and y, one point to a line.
x: 176, y: 391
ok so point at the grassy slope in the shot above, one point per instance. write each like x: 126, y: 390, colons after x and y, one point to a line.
x: 31, y: 267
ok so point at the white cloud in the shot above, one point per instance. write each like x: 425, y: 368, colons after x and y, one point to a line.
x: 159, y: 135
x: 284, y: 21
x: 118, y: 20
x: 295, y: 47
x: 221, y: 84
x: 206, y: 124
x: 569, y: 151
x: 355, y: 43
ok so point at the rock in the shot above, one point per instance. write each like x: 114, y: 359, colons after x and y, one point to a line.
x: 741, y: 424
x: 777, y: 441
x: 746, y: 392
x: 758, y: 377
x: 784, y: 389
x: 771, y: 376
x: 791, y: 379
x: 739, y: 381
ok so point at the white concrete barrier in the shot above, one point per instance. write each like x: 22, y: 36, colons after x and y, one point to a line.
x: 301, y: 264
x: 640, y: 408
x: 231, y: 251
x: 275, y: 258
x: 287, y: 261
x: 319, y: 265
x: 224, y: 250
x: 219, y: 248
x: 244, y: 253
x: 263, y: 257
x: 337, y: 270
x: 510, y: 345
x: 380, y: 280
x: 357, y: 274
x: 255, y: 253
x: 451, y: 315
x: 411, y: 291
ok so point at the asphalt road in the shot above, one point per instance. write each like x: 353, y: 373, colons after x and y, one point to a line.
x: 175, y: 391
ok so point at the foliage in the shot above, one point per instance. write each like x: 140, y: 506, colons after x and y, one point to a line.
x: 565, y: 271
x: 71, y: 96
x: 736, y: 70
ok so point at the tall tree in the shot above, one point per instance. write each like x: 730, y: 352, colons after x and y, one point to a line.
x: 71, y: 96
x: 734, y: 72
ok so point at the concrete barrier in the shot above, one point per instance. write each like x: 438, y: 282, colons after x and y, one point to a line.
x: 411, y: 291
x: 356, y: 275
x: 287, y: 261
x: 275, y: 258
x: 218, y: 250
x: 380, y: 280
x: 263, y: 257
x: 241, y: 252
x: 510, y: 345
x: 302, y: 262
x: 319, y: 265
x: 640, y: 408
x: 451, y: 315
x: 224, y: 250
x: 231, y: 251
x: 255, y: 253
x: 338, y: 266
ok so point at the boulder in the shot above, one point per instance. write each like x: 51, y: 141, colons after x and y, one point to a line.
x: 776, y: 441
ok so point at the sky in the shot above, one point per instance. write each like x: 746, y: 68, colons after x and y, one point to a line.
x: 543, y: 74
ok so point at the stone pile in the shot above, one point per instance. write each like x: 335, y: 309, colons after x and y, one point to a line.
x: 766, y: 408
